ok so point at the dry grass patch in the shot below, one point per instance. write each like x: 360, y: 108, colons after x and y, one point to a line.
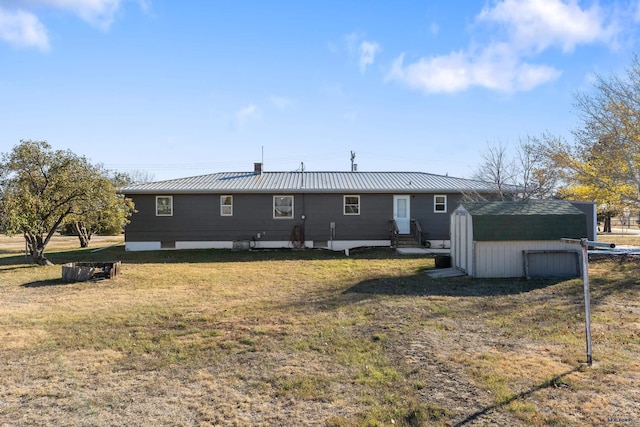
x: 309, y: 338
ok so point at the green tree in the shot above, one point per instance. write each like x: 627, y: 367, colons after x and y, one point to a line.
x: 42, y: 188
x: 102, y: 211
x: 604, y: 159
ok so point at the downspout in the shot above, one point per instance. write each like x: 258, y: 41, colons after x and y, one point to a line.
x: 303, y: 216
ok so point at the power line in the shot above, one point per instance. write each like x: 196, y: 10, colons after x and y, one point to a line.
x: 224, y: 165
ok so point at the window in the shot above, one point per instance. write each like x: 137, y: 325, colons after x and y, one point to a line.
x: 226, y: 205
x: 440, y: 204
x: 352, y: 205
x: 283, y: 207
x: 164, y: 205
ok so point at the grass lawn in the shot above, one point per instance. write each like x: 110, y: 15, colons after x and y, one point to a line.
x: 309, y: 338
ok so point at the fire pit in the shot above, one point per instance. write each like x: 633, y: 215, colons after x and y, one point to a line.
x: 82, y: 271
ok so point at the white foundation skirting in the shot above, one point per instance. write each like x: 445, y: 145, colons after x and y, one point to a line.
x: 336, y: 245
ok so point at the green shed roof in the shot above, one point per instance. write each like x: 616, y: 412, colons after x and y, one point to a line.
x: 528, y: 220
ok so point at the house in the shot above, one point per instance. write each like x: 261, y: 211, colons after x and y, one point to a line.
x: 519, y: 239
x: 331, y: 210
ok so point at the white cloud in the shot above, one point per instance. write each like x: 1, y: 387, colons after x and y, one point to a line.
x: 527, y: 28
x: 460, y: 71
x: 244, y: 115
x: 539, y: 24
x: 368, y: 52
x: 280, y: 102
x: 440, y: 74
x: 365, y: 50
x: 23, y: 29
x: 99, y: 13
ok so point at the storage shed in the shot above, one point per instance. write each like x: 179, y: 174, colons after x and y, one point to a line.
x: 517, y: 239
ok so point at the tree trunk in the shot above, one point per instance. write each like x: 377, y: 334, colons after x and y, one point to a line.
x: 83, y: 234
x: 607, y: 223
x: 36, y: 248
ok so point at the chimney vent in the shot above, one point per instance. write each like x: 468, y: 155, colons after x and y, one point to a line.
x: 257, y: 168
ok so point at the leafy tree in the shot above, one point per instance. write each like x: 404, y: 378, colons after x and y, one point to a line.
x: 102, y: 211
x: 608, y: 204
x: 591, y: 174
x: 42, y: 189
x: 605, y: 154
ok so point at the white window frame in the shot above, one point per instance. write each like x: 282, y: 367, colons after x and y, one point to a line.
x: 436, y: 203
x: 170, y: 198
x: 291, y: 215
x: 345, y: 204
x: 223, y: 205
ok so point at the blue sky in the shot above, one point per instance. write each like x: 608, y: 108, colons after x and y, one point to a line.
x: 194, y: 87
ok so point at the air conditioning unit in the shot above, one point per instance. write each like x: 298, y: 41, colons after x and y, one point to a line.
x: 241, y: 245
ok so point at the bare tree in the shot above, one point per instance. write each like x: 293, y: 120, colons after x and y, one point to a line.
x: 498, y: 169
x: 536, y: 176
x: 528, y: 174
x: 138, y: 176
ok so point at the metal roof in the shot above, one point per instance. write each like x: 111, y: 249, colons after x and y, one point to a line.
x: 312, y: 182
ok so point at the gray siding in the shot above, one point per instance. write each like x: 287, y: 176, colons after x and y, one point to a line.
x: 196, y: 217
x: 376, y: 211
x: 435, y: 225
x: 588, y: 208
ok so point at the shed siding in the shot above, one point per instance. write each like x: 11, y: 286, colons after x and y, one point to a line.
x: 505, y: 259
x: 461, y: 241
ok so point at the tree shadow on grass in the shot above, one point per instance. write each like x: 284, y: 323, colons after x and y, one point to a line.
x: 418, y: 285
x: 17, y: 267
x: 45, y: 283
x: 557, y: 381
x: 195, y: 256
x: 422, y: 285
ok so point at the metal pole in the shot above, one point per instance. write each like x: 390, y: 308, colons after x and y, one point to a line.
x: 585, y: 276
x: 587, y: 301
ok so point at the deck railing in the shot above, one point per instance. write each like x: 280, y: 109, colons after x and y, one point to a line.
x: 416, y: 230
x: 395, y: 232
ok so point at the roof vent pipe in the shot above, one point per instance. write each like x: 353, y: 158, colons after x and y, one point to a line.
x: 257, y: 168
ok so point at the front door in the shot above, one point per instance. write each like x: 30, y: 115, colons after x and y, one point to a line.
x: 401, y: 213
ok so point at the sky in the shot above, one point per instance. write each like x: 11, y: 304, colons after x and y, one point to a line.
x: 174, y: 89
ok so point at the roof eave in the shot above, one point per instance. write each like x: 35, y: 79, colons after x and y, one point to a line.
x: 301, y: 190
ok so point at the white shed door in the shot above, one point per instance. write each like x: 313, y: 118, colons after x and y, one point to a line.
x: 462, y: 241
x: 402, y: 213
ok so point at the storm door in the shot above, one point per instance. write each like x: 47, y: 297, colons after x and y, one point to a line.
x: 402, y: 213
